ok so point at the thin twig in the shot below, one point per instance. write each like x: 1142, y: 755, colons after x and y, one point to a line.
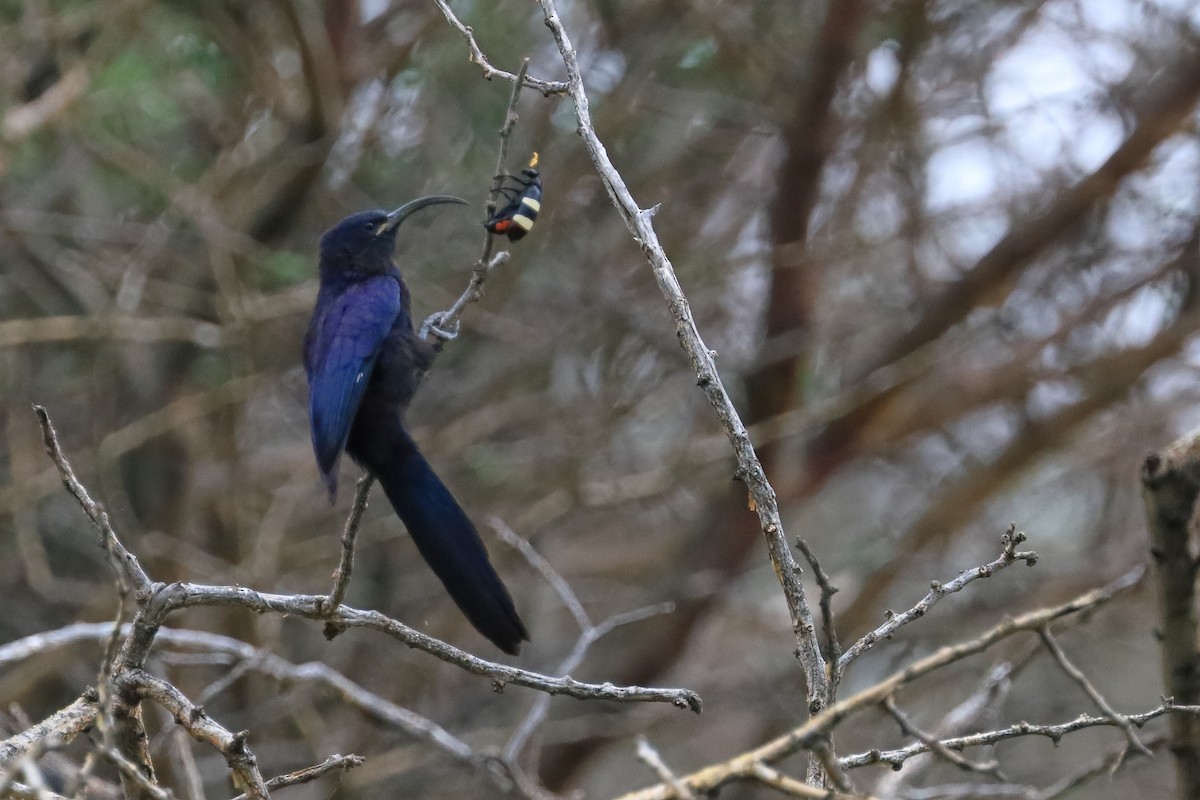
x: 444, y: 324
x: 128, y: 568
x: 22, y: 791
x: 187, y: 763
x: 541, y: 705
x: 739, y: 767
x: 833, y: 650
x: 168, y: 598
x: 334, y: 762
x: 341, y: 576
x: 548, y: 573
x: 545, y: 87
x: 132, y: 772
x: 158, y: 601
x: 987, y: 697
x: 1009, y: 541
x: 907, y: 728
x: 448, y: 320
x: 762, y: 495
x: 1055, y: 733
x: 261, y: 662
x: 589, y: 633
x: 651, y: 758
x: 1106, y: 764
x: 510, y: 122
x: 822, y: 748
x: 63, y: 726
x: 769, y: 776
x: 1076, y: 674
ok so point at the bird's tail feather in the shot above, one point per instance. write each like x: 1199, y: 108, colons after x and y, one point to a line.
x: 448, y: 541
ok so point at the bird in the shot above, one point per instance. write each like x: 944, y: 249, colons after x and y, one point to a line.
x: 364, y: 362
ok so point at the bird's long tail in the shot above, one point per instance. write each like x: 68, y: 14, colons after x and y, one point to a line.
x: 448, y: 541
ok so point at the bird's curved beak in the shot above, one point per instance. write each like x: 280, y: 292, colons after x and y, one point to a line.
x: 396, y: 217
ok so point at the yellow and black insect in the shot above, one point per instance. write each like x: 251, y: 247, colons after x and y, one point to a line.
x: 524, y: 202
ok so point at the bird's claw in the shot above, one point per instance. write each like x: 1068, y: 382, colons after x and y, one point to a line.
x: 432, y: 327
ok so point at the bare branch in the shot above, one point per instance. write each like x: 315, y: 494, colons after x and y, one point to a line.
x: 21, y: 791
x: 937, y: 591
x: 202, y: 727
x: 1054, y: 733
x: 159, y: 601
x: 589, y: 633
x: 548, y: 573
x: 833, y: 650
x: 907, y: 728
x: 127, y: 566
x: 444, y: 324
x: 133, y: 773
x: 341, y: 576
x: 22, y: 121
x: 510, y: 122
x: 769, y: 776
x: 448, y: 320
x: 15, y: 332
x: 749, y: 469
x: 1075, y: 674
x: 477, y: 57
x: 254, y: 660
x: 168, y: 598
x: 988, y: 696
x: 740, y: 767
x: 61, y: 726
x: 182, y: 747
x: 334, y: 762
x: 651, y: 758
x: 1107, y: 764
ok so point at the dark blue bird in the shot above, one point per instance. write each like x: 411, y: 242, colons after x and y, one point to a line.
x: 364, y: 361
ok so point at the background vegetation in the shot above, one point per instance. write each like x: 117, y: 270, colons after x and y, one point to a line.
x: 946, y: 253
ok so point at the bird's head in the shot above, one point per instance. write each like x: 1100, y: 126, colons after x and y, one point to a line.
x: 366, y: 241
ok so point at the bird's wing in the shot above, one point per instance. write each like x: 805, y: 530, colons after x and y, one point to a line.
x: 345, y: 342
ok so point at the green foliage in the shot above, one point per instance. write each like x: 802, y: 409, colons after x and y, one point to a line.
x: 699, y: 55
x: 130, y: 101
x: 283, y: 268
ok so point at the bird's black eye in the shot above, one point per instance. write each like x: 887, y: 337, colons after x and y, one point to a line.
x: 368, y: 226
